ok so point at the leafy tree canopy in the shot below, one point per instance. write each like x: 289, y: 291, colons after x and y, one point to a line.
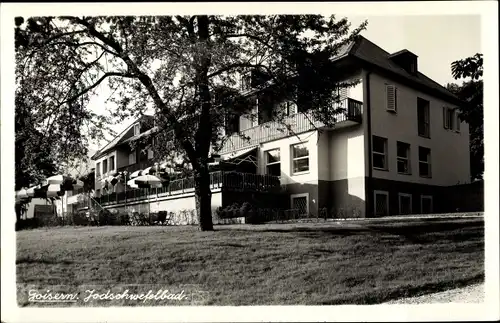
x: 186, y: 68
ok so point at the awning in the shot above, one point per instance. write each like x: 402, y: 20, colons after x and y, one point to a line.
x: 240, y: 156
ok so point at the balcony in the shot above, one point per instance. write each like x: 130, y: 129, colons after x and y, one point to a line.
x: 137, y: 166
x: 218, y: 180
x: 299, y: 123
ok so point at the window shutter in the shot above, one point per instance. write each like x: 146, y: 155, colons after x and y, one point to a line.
x: 445, y: 119
x: 391, y: 97
x: 292, y: 108
x: 342, y: 92
x: 457, y: 120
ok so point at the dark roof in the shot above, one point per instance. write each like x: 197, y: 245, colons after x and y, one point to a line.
x: 368, y: 52
x: 119, y: 139
x: 403, y: 51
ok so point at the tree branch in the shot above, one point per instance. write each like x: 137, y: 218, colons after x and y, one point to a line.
x: 144, y: 78
x: 106, y: 75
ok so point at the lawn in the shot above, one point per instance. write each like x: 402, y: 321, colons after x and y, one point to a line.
x: 348, y: 262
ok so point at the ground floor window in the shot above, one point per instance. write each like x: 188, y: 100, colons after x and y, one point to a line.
x: 381, y: 203
x: 300, y: 202
x: 273, y: 164
x: 426, y: 204
x: 404, y: 203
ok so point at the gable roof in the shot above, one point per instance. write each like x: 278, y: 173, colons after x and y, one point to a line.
x: 365, y: 50
x: 118, y: 139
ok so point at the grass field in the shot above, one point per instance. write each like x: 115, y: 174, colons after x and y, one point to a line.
x: 353, y: 262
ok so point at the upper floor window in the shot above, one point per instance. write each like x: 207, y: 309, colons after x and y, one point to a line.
x: 300, y: 158
x: 132, y: 158
x: 98, y: 169
x: 451, y: 120
x: 246, y: 81
x: 403, y: 151
x: 379, y: 153
x: 391, y: 98
x: 232, y: 124
x: 273, y: 162
x: 288, y: 108
x: 424, y: 162
x: 137, y: 129
x: 111, y: 163
x: 105, y: 166
x: 423, y: 118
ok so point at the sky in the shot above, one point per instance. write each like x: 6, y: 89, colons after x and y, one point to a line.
x: 437, y: 41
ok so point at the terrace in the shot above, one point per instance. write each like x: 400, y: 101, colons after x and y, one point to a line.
x: 232, y: 181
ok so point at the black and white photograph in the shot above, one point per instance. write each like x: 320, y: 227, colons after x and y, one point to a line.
x: 249, y: 162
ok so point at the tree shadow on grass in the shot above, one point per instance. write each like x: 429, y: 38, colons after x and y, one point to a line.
x: 421, y: 232
x: 28, y: 260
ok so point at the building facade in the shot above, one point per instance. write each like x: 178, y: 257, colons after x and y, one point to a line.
x: 398, y: 148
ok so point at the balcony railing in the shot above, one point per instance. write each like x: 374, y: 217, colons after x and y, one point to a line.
x: 224, y: 180
x: 299, y: 123
x: 137, y: 166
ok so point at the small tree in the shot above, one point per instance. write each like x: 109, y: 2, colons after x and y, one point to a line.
x: 187, y: 68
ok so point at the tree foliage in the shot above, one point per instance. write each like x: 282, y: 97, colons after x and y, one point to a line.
x: 471, y: 92
x: 185, y: 68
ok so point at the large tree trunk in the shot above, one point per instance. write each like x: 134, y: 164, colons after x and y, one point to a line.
x: 203, y: 196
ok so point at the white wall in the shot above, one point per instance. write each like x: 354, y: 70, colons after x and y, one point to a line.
x: 356, y: 92
x: 449, y: 150
x: 310, y: 139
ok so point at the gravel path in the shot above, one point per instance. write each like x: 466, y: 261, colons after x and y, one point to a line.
x: 469, y: 294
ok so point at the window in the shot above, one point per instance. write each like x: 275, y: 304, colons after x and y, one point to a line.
x: 391, y: 98
x: 457, y: 120
x: 404, y: 203
x: 381, y: 202
x: 232, y: 124
x: 423, y: 118
x: 424, y: 162
x: 105, y: 166
x: 111, y: 163
x: 451, y: 119
x: 426, y: 204
x: 98, y: 169
x: 246, y: 81
x: 143, y: 155
x: 132, y: 158
x: 137, y: 129
x: 379, y: 153
x: 300, y: 202
x: 300, y: 158
x: 403, y: 158
x: 288, y: 108
x: 273, y: 164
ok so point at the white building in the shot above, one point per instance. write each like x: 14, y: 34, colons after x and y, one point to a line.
x: 399, y: 148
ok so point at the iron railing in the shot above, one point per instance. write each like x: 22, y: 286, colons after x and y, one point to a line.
x: 299, y: 123
x: 218, y: 180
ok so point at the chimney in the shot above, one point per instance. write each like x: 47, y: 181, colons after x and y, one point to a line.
x: 407, y: 60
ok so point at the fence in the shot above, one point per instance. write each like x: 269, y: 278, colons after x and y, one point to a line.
x: 227, y: 180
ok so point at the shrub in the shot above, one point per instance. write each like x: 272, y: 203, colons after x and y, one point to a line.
x: 162, y: 217
x: 124, y: 218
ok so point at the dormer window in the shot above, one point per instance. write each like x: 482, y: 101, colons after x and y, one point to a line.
x: 407, y: 60
x: 137, y: 129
